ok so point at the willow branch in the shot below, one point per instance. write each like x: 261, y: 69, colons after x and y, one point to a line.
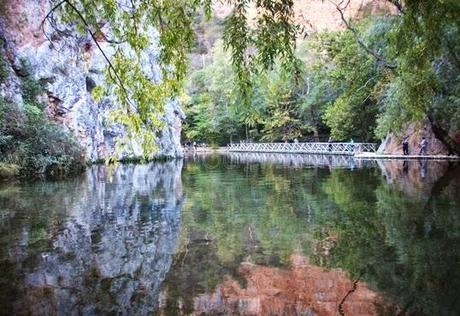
x: 359, y: 40
x: 51, y: 12
x: 93, y: 37
x: 47, y: 17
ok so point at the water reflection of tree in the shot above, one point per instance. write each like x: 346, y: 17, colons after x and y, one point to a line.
x: 402, y: 244
x: 405, y: 246
x: 245, y: 212
x: 263, y: 212
x: 30, y: 215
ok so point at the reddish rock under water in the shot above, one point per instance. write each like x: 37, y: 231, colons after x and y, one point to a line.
x: 304, y: 289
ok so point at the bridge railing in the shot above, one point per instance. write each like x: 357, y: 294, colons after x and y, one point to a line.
x: 304, y: 148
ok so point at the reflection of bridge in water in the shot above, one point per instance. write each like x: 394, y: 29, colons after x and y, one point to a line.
x: 300, y: 160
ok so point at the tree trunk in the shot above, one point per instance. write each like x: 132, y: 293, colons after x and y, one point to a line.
x: 443, y: 136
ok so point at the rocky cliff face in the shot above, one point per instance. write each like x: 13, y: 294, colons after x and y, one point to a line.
x: 69, y: 66
x: 392, y: 144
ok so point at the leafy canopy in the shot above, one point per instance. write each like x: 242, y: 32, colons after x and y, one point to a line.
x: 140, y: 99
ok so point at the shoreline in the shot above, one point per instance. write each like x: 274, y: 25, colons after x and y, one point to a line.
x: 369, y: 155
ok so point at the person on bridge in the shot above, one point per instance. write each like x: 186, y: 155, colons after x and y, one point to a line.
x: 352, y: 146
x: 330, y: 140
x: 405, y: 146
x: 423, y: 146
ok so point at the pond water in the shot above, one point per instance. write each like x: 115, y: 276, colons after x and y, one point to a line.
x: 249, y: 234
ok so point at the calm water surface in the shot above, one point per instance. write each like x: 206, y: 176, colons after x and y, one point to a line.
x: 248, y: 234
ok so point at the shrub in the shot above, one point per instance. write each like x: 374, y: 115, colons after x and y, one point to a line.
x: 35, y: 145
x: 30, y: 90
x: 29, y: 143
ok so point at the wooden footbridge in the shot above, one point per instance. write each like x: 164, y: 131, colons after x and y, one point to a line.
x: 304, y: 148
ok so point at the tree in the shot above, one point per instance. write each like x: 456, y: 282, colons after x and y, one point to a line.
x: 354, y: 77
x: 211, y: 110
x: 399, y: 69
x: 425, y: 45
x: 130, y: 22
x: 281, y: 118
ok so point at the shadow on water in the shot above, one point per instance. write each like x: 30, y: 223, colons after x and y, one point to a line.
x: 95, y: 245
x: 236, y: 234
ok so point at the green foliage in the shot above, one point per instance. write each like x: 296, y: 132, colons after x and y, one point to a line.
x: 353, y: 78
x: 281, y: 119
x: 350, y: 90
x: 97, y: 93
x: 30, y: 87
x: 31, y: 145
x: 212, y: 101
x: 425, y: 44
x: 30, y: 90
x: 216, y: 111
x: 368, y: 99
x: 342, y: 88
x: 141, y: 101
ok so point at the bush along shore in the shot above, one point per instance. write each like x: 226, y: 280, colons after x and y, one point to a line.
x: 33, y: 147
x: 30, y: 144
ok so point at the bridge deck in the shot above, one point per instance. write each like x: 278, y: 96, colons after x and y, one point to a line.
x: 304, y: 148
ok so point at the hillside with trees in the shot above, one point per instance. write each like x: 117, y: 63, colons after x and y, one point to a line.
x: 371, y: 77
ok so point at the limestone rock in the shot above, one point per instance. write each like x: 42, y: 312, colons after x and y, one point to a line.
x: 392, y: 144
x: 70, y: 66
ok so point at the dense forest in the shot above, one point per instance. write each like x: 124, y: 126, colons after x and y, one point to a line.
x: 361, y: 82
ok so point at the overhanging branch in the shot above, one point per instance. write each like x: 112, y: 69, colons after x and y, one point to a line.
x: 359, y: 40
x: 118, y: 80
